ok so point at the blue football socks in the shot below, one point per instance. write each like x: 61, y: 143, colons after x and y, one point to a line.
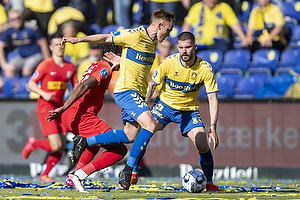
x: 207, y: 165
x: 138, y: 146
x: 109, y: 137
x: 138, y: 162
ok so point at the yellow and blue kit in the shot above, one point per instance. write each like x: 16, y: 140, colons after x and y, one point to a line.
x: 138, y: 54
x: 181, y: 85
x: 262, y: 21
x: 210, y: 25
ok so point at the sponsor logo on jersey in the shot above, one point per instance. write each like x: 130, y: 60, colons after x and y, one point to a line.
x: 182, y: 86
x: 140, y: 57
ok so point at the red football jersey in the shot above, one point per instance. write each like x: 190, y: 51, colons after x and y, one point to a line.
x: 54, y: 78
x: 92, y: 100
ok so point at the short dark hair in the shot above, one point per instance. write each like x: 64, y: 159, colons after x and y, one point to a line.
x: 162, y: 14
x: 55, y: 35
x: 109, y: 47
x: 186, y: 36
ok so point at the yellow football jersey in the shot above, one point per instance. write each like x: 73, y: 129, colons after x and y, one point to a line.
x: 260, y: 21
x: 181, y: 85
x: 138, y: 54
x: 210, y: 25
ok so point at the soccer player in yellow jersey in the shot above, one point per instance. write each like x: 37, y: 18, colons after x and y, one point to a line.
x: 139, y: 49
x: 182, y: 76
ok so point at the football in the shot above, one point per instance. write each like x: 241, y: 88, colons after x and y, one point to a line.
x: 194, y: 181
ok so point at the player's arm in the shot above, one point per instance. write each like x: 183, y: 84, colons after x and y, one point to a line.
x: 32, y: 86
x: 97, y: 38
x: 44, y: 47
x: 78, y: 92
x: 150, y: 90
x: 214, y: 114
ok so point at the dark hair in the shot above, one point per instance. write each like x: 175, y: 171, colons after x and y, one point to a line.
x: 109, y: 47
x: 55, y: 35
x: 162, y: 14
x: 186, y: 36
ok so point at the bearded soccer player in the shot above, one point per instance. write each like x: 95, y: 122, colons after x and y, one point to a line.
x: 54, y: 74
x: 182, y: 76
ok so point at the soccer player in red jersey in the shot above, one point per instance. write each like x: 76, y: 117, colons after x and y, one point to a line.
x: 54, y: 74
x: 79, y: 115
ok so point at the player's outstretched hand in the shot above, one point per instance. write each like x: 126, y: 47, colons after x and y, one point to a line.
x: 113, y: 59
x: 213, y: 137
x: 53, y: 114
x: 72, y: 40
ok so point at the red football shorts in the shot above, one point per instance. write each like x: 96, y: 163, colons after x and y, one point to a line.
x: 82, y: 123
x: 53, y: 127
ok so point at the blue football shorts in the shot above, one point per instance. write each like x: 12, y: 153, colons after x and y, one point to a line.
x: 186, y: 120
x: 132, y: 105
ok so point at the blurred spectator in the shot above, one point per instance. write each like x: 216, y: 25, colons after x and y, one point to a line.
x: 41, y: 11
x: 169, y: 5
x: 74, y: 53
x: 209, y: 20
x: 3, y: 18
x: 123, y: 12
x: 14, y: 5
x: 164, y: 50
x: 102, y: 7
x: 62, y: 15
x: 29, y: 42
x: 265, y: 25
x: 94, y: 56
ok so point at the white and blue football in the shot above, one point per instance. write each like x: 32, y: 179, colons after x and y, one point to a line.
x: 194, y: 181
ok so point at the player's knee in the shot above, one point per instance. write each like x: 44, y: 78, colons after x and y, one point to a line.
x: 203, y: 149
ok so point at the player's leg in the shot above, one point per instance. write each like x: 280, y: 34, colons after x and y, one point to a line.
x: 147, y: 122
x: 57, y: 143
x: 113, y: 154
x: 199, y: 138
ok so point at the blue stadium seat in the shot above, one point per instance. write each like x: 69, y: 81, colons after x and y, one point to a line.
x: 174, y: 33
x: 137, y: 11
x: 202, y: 93
x: 110, y: 28
x: 275, y: 88
x: 237, y: 58
x: 213, y: 57
x: 267, y: 58
x: 226, y: 87
x: 22, y: 90
x: 288, y: 9
x: 289, y: 58
x: 9, y: 87
x: 248, y: 87
x: 245, y: 9
x: 230, y: 73
x: 260, y: 73
x: 295, y: 38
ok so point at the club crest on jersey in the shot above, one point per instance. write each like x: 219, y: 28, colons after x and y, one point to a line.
x: 35, y: 74
x: 194, y: 76
x: 104, y: 73
x: 116, y: 33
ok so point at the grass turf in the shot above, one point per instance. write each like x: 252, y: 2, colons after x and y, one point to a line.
x: 148, y: 188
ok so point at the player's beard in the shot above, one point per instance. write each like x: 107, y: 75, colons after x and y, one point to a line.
x: 186, y: 59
